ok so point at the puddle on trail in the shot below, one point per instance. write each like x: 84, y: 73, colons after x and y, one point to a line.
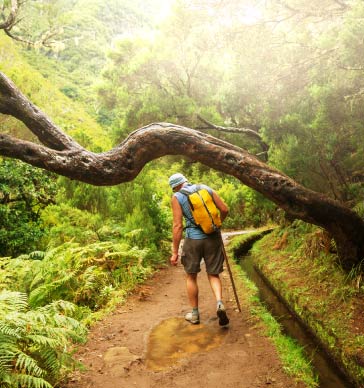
x: 175, y: 339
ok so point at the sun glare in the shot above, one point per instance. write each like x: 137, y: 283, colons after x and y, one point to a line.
x: 163, y: 10
x: 250, y: 15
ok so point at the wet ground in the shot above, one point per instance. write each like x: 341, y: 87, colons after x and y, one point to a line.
x: 174, y: 339
x: 146, y: 343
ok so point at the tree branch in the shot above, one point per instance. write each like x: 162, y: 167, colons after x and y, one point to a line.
x: 124, y: 162
x: 10, y: 20
x: 14, y: 103
x: 246, y: 131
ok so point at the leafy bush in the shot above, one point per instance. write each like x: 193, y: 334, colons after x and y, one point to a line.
x: 24, y: 192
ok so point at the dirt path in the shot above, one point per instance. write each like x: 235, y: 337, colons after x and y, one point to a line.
x: 119, y: 352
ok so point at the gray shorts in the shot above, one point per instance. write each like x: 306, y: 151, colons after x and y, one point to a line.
x: 209, y: 249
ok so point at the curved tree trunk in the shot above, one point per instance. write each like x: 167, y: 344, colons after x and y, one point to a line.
x: 62, y: 155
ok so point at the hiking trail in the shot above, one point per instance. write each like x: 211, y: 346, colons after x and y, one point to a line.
x: 146, y: 343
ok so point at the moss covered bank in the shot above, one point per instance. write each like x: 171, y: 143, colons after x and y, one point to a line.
x: 299, y: 262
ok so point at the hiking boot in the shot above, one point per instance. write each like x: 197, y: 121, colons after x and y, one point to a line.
x: 221, y: 314
x: 193, y: 318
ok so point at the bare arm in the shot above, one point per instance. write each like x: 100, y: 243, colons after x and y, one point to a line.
x: 177, y: 229
x: 221, y: 205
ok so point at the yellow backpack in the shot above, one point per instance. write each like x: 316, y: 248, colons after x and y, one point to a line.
x: 203, y: 209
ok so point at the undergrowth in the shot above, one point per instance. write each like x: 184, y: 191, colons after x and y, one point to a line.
x: 35, y: 343
x: 49, y: 298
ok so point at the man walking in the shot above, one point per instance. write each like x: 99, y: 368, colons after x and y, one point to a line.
x: 197, y: 246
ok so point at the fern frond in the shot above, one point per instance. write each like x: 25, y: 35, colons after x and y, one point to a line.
x: 27, y: 364
x: 23, y: 380
x: 42, y: 340
x: 59, y: 306
x: 12, y: 301
x: 50, y: 361
x: 37, y: 280
x: 41, y: 294
x: 33, y: 343
x: 9, y: 330
x: 8, y: 352
x: 37, y: 255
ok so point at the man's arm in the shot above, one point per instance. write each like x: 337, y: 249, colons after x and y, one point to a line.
x: 221, y: 205
x: 177, y: 229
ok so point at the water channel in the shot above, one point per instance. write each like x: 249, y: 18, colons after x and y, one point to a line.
x: 329, y: 375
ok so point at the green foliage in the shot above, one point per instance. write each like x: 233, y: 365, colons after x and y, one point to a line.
x: 42, y: 91
x: 79, y: 273
x: 35, y: 343
x: 159, y: 80
x: 65, y: 223
x: 24, y: 192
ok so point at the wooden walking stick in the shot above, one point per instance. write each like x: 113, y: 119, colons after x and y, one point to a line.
x: 230, y: 273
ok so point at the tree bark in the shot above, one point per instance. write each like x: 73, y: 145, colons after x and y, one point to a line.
x: 62, y: 155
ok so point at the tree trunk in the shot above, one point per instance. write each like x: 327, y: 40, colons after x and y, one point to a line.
x: 62, y: 155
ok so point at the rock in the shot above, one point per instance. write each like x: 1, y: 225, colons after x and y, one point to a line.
x: 118, y: 359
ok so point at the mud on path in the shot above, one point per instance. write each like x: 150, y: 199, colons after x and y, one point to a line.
x: 119, y: 352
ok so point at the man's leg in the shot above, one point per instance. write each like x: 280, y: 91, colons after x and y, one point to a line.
x: 215, y: 284
x: 192, y: 289
x: 192, y: 293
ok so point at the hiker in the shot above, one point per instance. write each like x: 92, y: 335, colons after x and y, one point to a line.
x: 197, y: 246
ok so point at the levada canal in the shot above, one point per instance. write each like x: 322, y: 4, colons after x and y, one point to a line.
x: 329, y: 374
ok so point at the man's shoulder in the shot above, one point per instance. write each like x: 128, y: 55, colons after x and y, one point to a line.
x: 192, y: 188
x: 203, y: 186
x: 198, y: 186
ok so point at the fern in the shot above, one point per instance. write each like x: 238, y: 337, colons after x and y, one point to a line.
x: 27, y: 364
x: 29, y: 381
x: 86, y: 275
x: 13, y: 301
x: 47, y: 291
x: 37, y: 255
x: 33, y: 343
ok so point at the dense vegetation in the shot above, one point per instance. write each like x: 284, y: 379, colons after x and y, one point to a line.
x: 290, y: 71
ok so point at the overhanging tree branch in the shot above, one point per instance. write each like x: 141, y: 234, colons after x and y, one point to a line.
x: 14, y: 103
x: 62, y: 155
x: 244, y: 131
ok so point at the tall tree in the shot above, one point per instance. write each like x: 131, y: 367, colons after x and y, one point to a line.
x: 62, y: 155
